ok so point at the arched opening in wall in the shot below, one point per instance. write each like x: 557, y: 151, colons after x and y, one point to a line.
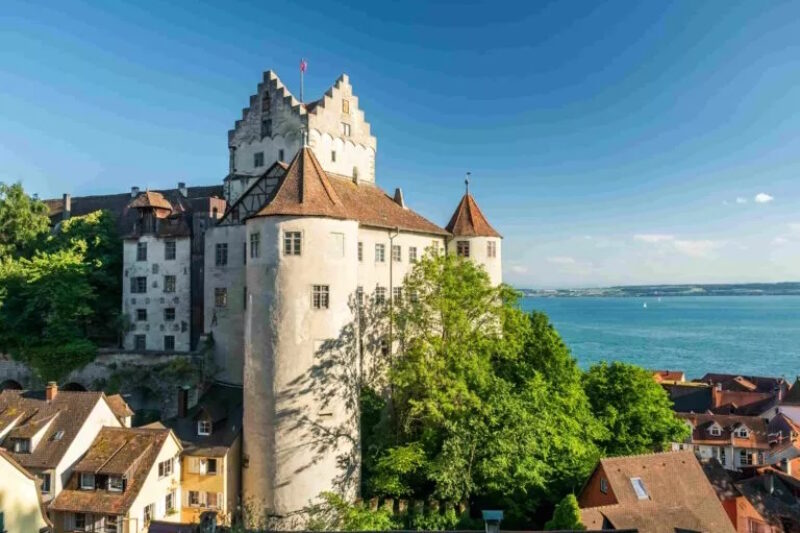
x: 145, y: 404
x: 74, y: 387
x: 10, y: 384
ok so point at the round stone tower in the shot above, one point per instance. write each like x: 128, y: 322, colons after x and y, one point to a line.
x: 300, y: 361
x: 475, y: 238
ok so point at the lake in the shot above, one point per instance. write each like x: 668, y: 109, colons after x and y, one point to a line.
x: 751, y: 335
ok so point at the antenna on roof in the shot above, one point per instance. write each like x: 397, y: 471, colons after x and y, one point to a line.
x: 466, y: 181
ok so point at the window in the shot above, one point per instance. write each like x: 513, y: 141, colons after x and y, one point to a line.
x: 413, y: 297
x: 345, y: 129
x: 139, y: 284
x: 169, y: 343
x: 169, y: 250
x: 715, y: 431
x: 462, y: 248
x: 380, y: 295
x: 141, y: 315
x: 346, y: 106
x: 333, y: 156
x: 258, y: 159
x: 194, y: 498
x: 165, y: 468
x: 141, y: 251
x: 603, y: 485
x: 211, y: 467
x: 434, y: 247
x: 87, y: 481
x: 221, y: 254
x: 745, y: 457
x: 139, y: 342
x: 742, y: 433
x: 115, y: 484
x: 360, y: 296
x: 639, y: 488
x: 491, y: 249
x: 220, y: 297
x: 169, y: 283
x: 22, y: 445
x: 360, y: 251
x: 266, y: 128
x: 204, y: 427
x: 169, y: 314
x: 280, y: 155
x: 169, y: 502
x: 80, y: 521
x: 412, y: 254
x: 291, y: 243
x: 149, y: 512
x: 255, y: 241
x: 45, y: 479
x: 397, y: 295
x: 380, y: 253
x: 397, y: 253
x: 111, y: 524
x: 320, y: 297
x: 211, y: 499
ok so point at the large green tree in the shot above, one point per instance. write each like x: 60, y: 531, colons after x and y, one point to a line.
x: 486, y: 402
x: 634, y: 408
x: 23, y: 221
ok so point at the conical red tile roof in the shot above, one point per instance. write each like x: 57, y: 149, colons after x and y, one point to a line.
x: 468, y: 221
x: 305, y: 191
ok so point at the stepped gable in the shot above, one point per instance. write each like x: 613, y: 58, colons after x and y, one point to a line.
x: 468, y: 220
x: 131, y: 452
x: 305, y: 190
x: 271, y: 80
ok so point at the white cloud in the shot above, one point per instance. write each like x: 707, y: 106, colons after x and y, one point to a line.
x: 794, y: 226
x: 653, y: 238
x: 779, y: 241
x: 740, y: 200
x: 561, y: 260
x: 763, y: 198
x: 696, y: 248
x: 518, y: 269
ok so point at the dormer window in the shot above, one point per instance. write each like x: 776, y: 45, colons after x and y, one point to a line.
x: 715, y: 431
x: 87, y: 481
x: 742, y: 432
x: 115, y: 484
x: 204, y: 427
x: 22, y: 446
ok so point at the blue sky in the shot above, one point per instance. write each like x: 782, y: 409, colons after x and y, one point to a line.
x: 617, y: 143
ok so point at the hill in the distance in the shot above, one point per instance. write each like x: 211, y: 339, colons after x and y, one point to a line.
x: 790, y: 288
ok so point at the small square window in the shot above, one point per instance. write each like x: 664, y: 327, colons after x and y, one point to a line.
x: 333, y: 156
x: 169, y: 314
x: 346, y: 106
x: 115, y: 484
x: 169, y: 284
x: 169, y: 250
x: 169, y: 343
x: 258, y: 159
x: 603, y: 485
x: 397, y: 253
x: 345, y: 129
x: 140, y: 342
x: 320, y: 297
x: 80, y: 521
x: 639, y: 488
x: 255, y: 244
x: 141, y: 315
x: 462, y: 248
x: 412, y: 254
x: 141, y: 251
x: 87, y: 481
x: 204, y: 427
x: 291, y: 243
x: 221, y: 297
x: 380, y: 253
x: 221, y: 254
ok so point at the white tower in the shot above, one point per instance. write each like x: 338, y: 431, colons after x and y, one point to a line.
x: 475, y: 238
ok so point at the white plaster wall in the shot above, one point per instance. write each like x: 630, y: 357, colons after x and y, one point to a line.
x: 349, y: 155
x: 155, y: 490
x: 155, y: 300
x: 19, y: 500
x: 271, y: 146
x: 478, y: 254
x: 290, y: 464
x: 99, y: 417
x: 228, y: 329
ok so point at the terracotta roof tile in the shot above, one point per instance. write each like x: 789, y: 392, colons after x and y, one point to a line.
x: 758, y: 435
x: 468, y: 220
x: 150, y: 199
x: 119, y: 406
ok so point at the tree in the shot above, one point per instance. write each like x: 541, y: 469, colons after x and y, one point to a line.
x: 486, y: 401
x: 23, y: 221
x: 634, y: 408
x: 567, y: 516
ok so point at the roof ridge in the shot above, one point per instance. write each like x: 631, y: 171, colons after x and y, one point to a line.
x: 648, y: 454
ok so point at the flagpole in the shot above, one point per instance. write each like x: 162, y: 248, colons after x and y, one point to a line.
x: 302, y: 70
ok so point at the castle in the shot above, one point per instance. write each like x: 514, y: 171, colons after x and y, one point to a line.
x: 269, y: 267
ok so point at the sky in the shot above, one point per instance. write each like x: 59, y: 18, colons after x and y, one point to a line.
x: 610, y: 143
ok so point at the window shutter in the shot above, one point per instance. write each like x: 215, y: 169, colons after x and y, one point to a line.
x: 185, y: 497
x: 220, y: 501
x: 202, y: 496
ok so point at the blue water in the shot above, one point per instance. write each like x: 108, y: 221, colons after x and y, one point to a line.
x: 753, y: 335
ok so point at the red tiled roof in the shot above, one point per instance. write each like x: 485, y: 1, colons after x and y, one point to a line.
x: 758, y: 435
x: 468, y: 220
x: 150, y: 199
x: 119, y: 406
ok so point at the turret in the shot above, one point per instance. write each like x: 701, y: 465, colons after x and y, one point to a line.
x: 474, y: 237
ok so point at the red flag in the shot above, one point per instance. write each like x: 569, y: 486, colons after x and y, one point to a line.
x: 303, y: 65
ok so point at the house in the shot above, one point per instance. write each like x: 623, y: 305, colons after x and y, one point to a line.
x: 21, y: 506
x: 735, y: 382
x: 744, y: 516
x: 48, y: 431
x: 790, y: 403
x: 127, y: 478
x: 669, y: 376
x: 652, y: 493
x: 774, y: 497
x: 210, y: 433
x: 735, y: 441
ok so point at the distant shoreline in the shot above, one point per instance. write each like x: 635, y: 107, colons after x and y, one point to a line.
x: 791, y: 288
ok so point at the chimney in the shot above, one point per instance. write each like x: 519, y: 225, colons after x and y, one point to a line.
x: 182, y: 189
x: 398, y: 197
x: 67, y: 207
x: 183, y: 401
x: 134, y: 192
x: 51, y: 391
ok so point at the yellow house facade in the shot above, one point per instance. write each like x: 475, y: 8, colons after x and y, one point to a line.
x: 21, y: 509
